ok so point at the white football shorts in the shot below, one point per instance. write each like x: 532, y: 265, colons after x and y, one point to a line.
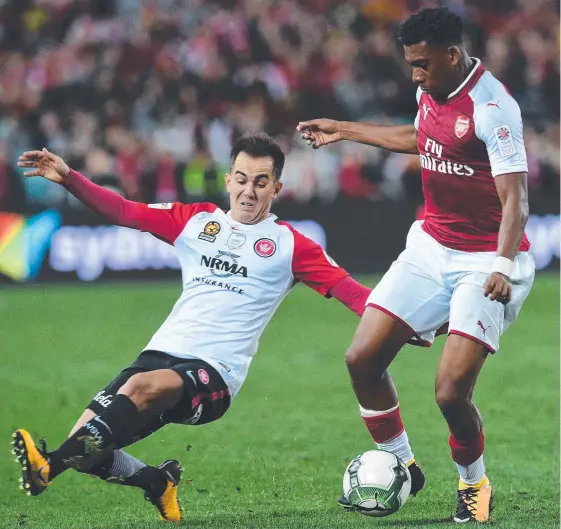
x: 430, y: 284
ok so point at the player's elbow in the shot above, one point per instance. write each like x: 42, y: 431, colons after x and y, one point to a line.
x: 408, y: 145
x: 519, y: 211
x: 413, y: 145
x: 524, y: 210
x: 516, y: 205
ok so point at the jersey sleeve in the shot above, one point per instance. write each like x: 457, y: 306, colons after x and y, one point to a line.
x: 499, y: 125
x: 312, y: 266
x: 167, y: 221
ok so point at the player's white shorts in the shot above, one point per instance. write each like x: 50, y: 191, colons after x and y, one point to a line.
x: 429, y: 285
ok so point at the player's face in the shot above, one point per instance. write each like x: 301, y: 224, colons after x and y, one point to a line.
x: 252, y: 187
x: 434, y: 68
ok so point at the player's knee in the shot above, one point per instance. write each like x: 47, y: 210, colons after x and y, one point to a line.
x: 448, y: 396
x: 139, y: 388
x: 362, y: 358
x: 354, y: 356
x: 145, y: 389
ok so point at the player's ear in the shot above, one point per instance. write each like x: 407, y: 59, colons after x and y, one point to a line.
x: 277, y: 189
x: 454, y: 55
x: 227, y: 179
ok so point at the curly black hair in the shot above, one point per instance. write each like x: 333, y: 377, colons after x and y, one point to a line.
x: 436, y: 25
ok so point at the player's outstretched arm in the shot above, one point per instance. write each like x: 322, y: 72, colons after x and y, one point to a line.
x: 313, y: 267
x: 352, y: 294
x: 165, y: 221
x: 107, y: 203
x: 396, y: 138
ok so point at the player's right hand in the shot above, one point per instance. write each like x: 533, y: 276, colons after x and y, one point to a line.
x: 320, y: 132
x: 498, y: 288
x: 44, y: 163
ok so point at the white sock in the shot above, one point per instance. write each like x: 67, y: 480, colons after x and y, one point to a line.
x: 399, y: 446
x: 375, y: 413
x: 473, y: 473
x: 124, y: 465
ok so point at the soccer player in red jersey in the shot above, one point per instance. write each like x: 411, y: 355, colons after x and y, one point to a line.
x: 467, y: 263
x: 237, y: 267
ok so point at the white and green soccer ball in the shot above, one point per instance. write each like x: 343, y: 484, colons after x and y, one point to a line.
x: 377, y: 483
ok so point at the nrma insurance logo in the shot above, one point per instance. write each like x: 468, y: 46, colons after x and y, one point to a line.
x: 24, y: 243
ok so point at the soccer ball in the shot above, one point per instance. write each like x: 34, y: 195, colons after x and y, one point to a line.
x: 377, y: 483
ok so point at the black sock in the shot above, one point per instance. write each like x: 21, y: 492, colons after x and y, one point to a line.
x: 91, y: 444
x: 150, y: 479
x: 147, y: 478
x: 101, y: 470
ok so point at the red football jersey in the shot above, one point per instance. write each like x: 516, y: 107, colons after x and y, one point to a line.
x: 464, y: 143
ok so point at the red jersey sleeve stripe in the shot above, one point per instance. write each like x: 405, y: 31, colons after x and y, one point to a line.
x: 312, y: 266
x: 167, y: 221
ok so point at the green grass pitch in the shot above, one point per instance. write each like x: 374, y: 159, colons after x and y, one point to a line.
x: 277, y: 458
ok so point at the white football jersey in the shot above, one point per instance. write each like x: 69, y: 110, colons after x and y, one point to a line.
x: 234, y: 278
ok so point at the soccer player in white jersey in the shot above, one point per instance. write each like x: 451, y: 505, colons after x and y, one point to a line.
x: 237, y: 267
x: 467, y: 263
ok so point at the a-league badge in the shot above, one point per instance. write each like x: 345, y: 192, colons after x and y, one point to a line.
x: 210, y: 231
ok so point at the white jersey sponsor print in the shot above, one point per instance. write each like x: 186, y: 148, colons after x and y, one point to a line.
x: 234, y: 277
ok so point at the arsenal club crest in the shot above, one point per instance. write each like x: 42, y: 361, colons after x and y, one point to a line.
x: 461, y: 127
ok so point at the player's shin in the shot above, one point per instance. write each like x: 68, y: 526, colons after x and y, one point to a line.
x: 123, y: 469
x: 388, y: 432
x: 116, y: 468
x: 466, y: 440
x: 94, y: 441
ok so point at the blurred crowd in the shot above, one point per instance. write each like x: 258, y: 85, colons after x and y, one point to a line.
x: 147, y: 95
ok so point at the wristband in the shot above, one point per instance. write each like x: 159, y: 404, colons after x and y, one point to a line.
x: 503, y: 265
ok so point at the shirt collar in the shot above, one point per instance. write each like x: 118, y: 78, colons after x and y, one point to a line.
x: 475, y: 68
x: 271, y: 217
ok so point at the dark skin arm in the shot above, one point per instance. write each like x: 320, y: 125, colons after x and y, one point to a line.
x: 396, y: 138
x: 513, y: 193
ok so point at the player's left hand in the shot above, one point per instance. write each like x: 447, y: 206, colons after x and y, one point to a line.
x: 498, y: 288
x: 44, y: 163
